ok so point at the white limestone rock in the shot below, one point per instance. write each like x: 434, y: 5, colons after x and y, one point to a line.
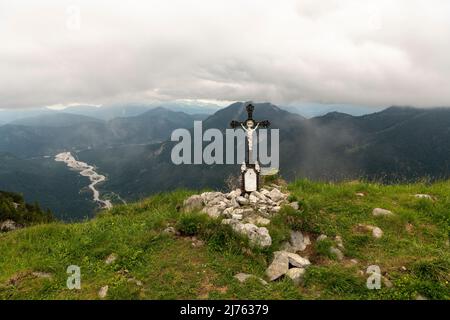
x: 234, y: 194
x: 296, y: 275
x: 213, y: 212
x: 193, y: 203
x: 276, y: 195
x: 247, y: 211
x: 258, y: 195
x: 262, y: 221
x: 228, y: 212
x: 337, y: 253
x: 170, y: 231
x: 423, y: 196
x: 242, y: 200
x: 298, y: 241
x: 376, y: 232
x: 294, y: 205
x: 103, y: 292
x: 258, y: 236
x: 242, y: 277
x: 236, y: 216
x: 297, y: 261
x: 253, y: 199
x: 9, y: 225
x: 387, y: 283
x: 211, y: 196
x: 377, y: 212
x: 217, y: 201
x: 257, y: 220
x: 279, y: 266
x: 339, y: 242
x: 275, y: 209
x: 238, y: 211
x: 234, y: 203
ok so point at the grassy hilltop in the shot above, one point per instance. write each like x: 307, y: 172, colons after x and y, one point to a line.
x: 200, y: 262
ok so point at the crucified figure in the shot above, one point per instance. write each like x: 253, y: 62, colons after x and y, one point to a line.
x: 249, y: 131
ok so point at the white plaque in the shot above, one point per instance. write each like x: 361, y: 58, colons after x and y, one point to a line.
x: 250, y: 180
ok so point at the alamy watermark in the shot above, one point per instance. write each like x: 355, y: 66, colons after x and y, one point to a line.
x: 374, y: 279
x: 74, y: 280
x: 189, y: 150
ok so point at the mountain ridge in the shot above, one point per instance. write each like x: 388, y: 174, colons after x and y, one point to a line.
x: 398, y: 144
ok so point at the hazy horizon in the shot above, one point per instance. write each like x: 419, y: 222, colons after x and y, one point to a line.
x: 307, y: 110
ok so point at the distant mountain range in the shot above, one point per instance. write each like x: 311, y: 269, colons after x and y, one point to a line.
x: 108, y: 112
x: 397, y: 143
x: 310, y: 110
x: 391, y: 145
x: 52, y: 133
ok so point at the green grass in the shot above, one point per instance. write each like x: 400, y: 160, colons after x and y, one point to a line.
x: 413, y: 252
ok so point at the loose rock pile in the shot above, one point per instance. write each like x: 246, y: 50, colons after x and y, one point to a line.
x: 247, y: 214
x: 287, y: 262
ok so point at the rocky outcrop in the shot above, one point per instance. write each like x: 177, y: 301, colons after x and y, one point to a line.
x: 9, y: 225
x: 247, y: 214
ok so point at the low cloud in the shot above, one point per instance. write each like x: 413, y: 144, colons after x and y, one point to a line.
x: 330, y: 51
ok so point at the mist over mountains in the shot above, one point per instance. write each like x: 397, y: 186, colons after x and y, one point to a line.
x: 133, y: 151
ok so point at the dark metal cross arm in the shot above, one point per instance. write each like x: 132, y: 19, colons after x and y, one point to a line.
x: 263, y: 124
x: 234, y: 124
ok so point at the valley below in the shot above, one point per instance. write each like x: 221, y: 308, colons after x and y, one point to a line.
x: 86, y: 171
x: 132, y: 155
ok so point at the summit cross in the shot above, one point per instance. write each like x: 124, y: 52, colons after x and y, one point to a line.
x: 250, y: 169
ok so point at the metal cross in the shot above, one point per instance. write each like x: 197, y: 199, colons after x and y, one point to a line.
x: 250, y: 108
x: 250, y: 124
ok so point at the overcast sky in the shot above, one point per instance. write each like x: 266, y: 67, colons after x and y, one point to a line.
x: 285, y: 51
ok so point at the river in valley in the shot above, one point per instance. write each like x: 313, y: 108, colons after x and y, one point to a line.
x: 85, y: 170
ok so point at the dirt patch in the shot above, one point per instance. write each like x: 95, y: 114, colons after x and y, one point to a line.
x: 23, y: 275
x: 207, y: 287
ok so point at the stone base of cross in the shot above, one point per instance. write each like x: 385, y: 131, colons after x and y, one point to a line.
x: 250, y: 170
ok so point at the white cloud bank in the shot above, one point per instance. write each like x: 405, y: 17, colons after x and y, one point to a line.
x: 328, y: 51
